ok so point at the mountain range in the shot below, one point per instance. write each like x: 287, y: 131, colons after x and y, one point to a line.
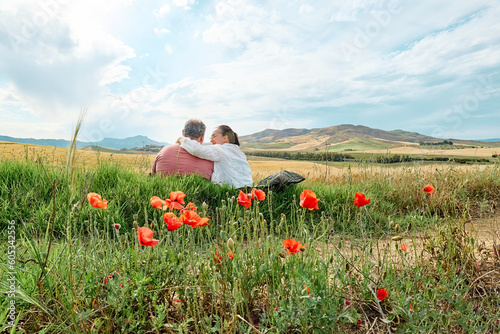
x: 343, y: 137
x: 125, y: 143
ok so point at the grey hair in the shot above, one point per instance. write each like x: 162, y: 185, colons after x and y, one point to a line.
x: 194, y: 128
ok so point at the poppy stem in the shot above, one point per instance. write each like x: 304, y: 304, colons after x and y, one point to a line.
x: 149, y: 260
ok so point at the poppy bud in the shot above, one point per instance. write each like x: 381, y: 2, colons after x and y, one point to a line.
x: 233, y: 199
x: 152, y: 225
x: 117, y: 226
x: 134, y: 223
x: 204, y: 206
x: 283, y: 254
x: 230, y: 244
x: 391, y: 224
x: 396, y: 228
x: 409, y: 226
x: 397, y: 238
x: 283, y: 218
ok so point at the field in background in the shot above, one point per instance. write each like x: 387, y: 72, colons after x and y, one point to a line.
x: 261, y: 167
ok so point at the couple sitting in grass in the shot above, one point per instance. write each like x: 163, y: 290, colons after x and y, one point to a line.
x: 222, y: 162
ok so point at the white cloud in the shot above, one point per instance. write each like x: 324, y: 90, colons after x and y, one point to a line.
x: 182, y: 3
x: 161, y: 31
x: 306, y: 9
x: 162, y: 11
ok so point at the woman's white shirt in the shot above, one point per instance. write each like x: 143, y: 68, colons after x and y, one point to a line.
x: 230, y: 164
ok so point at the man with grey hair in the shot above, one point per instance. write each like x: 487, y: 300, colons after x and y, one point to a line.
x: 174, y: 160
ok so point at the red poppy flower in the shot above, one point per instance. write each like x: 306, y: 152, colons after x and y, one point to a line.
x: 308, y: 199
x: 230, y: 255
x: 244, y: 199
x: 193, y: 219
x: 173, y: 223
x: 145, y: 235
x: 190, y: 206
x: 258, y: 194
x: 217, y: 258
x: 404, y: 247
x: 382, y: 294
x: 117, y: 226
x: 96, y: 201
x: 411, y: 308
x: 293, y: 246
x: 176, y: 199
x: 308, y: 291
x: 158, y: 203
x: 360, y: 200
x: 429, y: 189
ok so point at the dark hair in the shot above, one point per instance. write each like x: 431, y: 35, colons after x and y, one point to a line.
x: 194, y: 128
x: 232, y: 136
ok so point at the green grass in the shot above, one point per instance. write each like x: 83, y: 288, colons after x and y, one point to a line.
x: 360, y: 144
x: 76, y: 273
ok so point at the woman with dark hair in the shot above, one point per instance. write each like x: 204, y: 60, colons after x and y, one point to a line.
x: 230, y: 163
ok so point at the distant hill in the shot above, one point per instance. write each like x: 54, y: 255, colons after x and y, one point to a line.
x: 345, y: 137
x: 127, y: 143
x: 492, y: 140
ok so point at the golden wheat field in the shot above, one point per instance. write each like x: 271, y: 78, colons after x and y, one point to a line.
x: 261, y: 167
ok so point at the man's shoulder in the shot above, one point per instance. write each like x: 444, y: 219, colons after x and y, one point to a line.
x: 170, y: 148
x: 180, y: 153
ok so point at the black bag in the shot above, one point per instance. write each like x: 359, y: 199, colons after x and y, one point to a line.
x: 280, y: 179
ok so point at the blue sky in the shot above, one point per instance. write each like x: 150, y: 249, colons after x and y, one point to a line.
x: 145, y: 67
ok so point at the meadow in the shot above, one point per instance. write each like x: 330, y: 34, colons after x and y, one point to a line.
x: 409, y: 260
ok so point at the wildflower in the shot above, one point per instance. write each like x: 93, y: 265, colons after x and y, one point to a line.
x: 429, y: 189
x: 258, y: 194
x: 360, y: 200
x: 117, y: 226
x: 382, y: 294
x: 190, y: 206
x: 308, y: 291
x: 145, y: 235
x: 217, y: 258
x: 244, y: 199
x: 177, y: 300
x: 230, y: 255
x: 404, y: 247
x: 411, y: 308
x: 347, y: 302
x: 308, y: 199
x: 96, y: 201
x: 173, y: 223
x: 175, y: 200
x: 158, y: 203
x: 193, y: 219
x: 293, y: 246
